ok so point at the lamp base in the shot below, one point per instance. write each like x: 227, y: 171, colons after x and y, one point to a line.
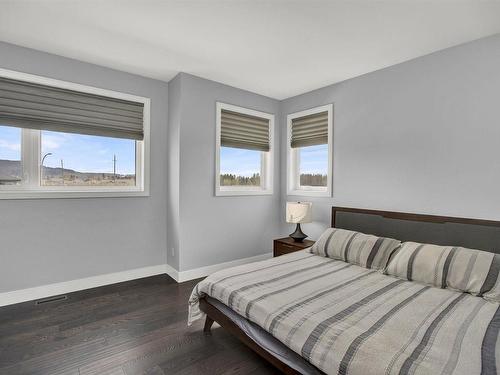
x: 298, y: 235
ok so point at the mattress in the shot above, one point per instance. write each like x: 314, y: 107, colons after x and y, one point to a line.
x: 346, y: 319
x: 266, y: 341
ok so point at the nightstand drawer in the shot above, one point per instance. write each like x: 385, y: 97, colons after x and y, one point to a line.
x: 286, y: 245
x: 283, y: 248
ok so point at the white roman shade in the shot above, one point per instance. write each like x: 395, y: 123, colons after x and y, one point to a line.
x: 244, y: 131
x: 36, y: 106
x: 310, y: 130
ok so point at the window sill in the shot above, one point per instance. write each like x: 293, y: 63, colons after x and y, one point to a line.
x: 58, y: 194
x: 236, y: 192
x: 310, y: 193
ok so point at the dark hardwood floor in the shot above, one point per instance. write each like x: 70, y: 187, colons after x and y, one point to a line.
x: 136, y: 327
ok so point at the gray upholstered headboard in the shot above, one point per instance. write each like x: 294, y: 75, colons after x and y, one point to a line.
x: 440, y: 230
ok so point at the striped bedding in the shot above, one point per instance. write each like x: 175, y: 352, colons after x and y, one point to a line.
x: 351, y: 320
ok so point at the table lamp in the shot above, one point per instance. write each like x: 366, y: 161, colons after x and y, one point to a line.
x: 297, y: 213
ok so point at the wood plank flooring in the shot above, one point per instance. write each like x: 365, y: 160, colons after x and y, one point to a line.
x: 136, y: 327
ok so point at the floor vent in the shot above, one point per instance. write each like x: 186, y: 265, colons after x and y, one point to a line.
x: 50, y: 299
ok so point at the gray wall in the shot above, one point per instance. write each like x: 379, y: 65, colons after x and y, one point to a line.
x: 52, y: 240
x: 422, y: 136
x: 218, y: 229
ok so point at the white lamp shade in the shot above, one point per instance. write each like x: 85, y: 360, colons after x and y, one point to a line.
x: 298, y: 212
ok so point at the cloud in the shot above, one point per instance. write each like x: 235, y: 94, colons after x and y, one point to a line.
x: 103, y: 151
x: 9, y: 145
x: 52, y: 142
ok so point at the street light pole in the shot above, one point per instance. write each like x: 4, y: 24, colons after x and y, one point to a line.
x: 41, y: 164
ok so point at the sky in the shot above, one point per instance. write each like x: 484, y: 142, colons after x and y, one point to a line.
x: 10, y: 143
x: 313, y: 159
x: 239, y: 162
x: 82, y: 153
x: 88, y: 153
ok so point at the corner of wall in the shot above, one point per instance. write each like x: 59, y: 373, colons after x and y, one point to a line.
x: 173, y: 172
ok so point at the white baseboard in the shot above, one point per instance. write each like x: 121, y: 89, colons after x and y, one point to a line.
x: 49, y: 290
x: 196, y: 273
x: 44, y: 291
x: 172, y: 272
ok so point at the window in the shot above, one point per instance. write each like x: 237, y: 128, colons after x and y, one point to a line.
x: 309, y: 152
x: 59, y: 139
x: 240, y: 167
x: 244, y: 151
x: 87, y: 160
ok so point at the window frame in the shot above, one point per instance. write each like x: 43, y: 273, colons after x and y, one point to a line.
x: 31, y: 152
x: 293, y: 158
x: 266, y: 158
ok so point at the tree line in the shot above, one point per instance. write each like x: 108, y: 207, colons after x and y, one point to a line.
x: 228, y: 179
x: 306, y: 179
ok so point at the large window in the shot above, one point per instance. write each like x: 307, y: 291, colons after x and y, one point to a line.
x: 59, y: 139
x: 244, y: 151
x: 86, y: 160
x: 309, y: 152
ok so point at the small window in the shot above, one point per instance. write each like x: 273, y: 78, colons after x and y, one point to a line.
x: 59, y: 139
x: 244, y: 151
x: 313, y: 166
x: 240, y: 167
x: 309, y: 152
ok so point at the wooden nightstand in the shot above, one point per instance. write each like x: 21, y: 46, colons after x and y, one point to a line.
x: 288, y: 245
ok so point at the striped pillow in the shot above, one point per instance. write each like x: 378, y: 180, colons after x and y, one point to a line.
x: 365, y: 250
x: 494, y: 293
x: 458, y: 268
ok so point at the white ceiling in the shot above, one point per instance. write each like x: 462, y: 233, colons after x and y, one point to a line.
x: 275, y: 48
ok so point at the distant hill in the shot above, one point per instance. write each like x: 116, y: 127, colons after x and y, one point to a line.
x: 56, y: 172
x: 11, y: 169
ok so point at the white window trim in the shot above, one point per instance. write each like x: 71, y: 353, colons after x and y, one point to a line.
x: 267, y: 158
x: 292, y: 156
x: 30, y: 151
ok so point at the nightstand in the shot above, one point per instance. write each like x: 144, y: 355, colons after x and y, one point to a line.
x: 287, y: 245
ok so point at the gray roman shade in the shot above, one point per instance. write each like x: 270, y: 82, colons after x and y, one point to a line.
x: 244, y: 131
x: 310, y: 130
x: 36, y: 106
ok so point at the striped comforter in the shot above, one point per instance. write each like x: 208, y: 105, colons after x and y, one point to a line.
x: 351, y: 320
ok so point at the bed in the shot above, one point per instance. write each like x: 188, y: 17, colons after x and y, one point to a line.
x: 310, y: 314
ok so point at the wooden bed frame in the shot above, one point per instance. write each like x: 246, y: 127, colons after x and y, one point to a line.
x: 214, y: 314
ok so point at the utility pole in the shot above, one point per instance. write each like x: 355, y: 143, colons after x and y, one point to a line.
x: 62, y: 171
x: 114, y: 167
